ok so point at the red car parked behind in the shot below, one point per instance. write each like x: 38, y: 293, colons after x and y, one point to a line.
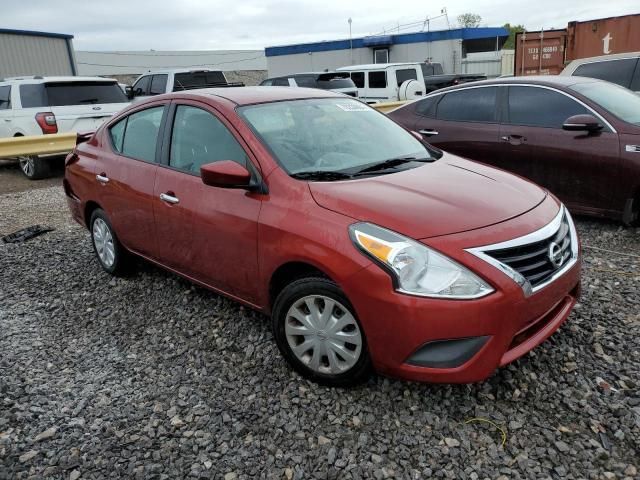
x: 368, y: 248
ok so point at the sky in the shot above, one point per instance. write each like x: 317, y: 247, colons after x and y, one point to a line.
x: 255, y: 24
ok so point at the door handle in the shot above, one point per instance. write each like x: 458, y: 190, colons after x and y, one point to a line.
x: 514, y: 139
x: 167, y: 197
x: 102, y: 178
x: 428, y: 132
x: 7, y: 119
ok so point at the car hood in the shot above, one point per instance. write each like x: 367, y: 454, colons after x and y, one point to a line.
x: 447, y: 196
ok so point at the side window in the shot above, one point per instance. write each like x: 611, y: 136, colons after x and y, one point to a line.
x: 141, y: 134
x: 471, y: 105
x: 358, y: 79
x: 198, y: 138
x: 266, y: 83
x: 280, y: 82
x: 427, y: 106
x: 540, y: 107
x: 378, y: 79
x: 141, y: 87
x: 406, y: 74
x: 5, y: 97
x: 615, y: 71
x: 158, y: 84
x: 117, y: 134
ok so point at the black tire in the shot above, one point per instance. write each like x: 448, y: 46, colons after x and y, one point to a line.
x: 35, y: 168
x: 297, y: 290
x: 121, y: 259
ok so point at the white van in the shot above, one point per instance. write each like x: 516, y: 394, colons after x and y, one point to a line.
x: 389, y: 82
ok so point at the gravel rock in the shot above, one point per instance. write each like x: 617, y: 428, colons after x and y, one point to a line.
x: 112, y: 364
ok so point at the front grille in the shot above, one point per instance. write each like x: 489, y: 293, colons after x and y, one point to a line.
x: 537, y: 262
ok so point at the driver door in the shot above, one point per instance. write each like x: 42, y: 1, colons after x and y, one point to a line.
x: 578, y: 167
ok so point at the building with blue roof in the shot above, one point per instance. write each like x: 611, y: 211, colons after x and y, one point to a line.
x: 448, y: 47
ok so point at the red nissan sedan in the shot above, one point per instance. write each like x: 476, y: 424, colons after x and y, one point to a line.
x: 368, y: 248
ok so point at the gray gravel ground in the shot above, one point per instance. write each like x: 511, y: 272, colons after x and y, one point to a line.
x: 150, y: 377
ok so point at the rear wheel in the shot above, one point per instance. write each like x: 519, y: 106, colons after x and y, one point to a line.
x: 111, y: 255
x: 34, y: 168
x: 317, y: 332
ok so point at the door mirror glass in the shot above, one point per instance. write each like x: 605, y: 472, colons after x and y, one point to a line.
x: 582, y: 123
x: 225, y: 174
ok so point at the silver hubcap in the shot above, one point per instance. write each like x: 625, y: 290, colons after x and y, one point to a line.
x: 27, y: 165
x: 103, y: 240
x: 323, y: 334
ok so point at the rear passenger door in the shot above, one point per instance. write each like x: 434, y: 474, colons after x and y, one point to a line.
x: 463, y: 122
x: 126, y: 176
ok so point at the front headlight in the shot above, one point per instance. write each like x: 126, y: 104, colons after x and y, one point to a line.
x: 416, y: 268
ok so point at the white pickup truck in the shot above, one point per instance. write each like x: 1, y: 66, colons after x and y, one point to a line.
x: 44, y: 105
x: 166, y: 81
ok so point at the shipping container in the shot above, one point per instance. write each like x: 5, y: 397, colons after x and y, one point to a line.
x: 540, y: 53
x: 603, y: 36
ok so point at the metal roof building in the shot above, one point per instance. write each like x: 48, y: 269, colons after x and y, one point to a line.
x: 448, y: 47
x: 24, y: 52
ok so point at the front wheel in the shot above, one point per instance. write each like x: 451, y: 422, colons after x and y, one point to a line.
x: 317, y: 332
x: 34, y: 168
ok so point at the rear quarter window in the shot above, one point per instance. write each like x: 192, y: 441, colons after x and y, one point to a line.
x: 33, y: 95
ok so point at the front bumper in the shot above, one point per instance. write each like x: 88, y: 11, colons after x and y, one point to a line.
x: 505, y: 324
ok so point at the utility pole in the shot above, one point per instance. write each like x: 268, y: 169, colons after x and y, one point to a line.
x: 350, y: 41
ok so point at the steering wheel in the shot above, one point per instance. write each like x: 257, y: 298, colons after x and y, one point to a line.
x: 297, y: 151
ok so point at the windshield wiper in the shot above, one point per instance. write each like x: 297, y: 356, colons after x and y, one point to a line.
x: 392, y: 162
x: 321, y: 175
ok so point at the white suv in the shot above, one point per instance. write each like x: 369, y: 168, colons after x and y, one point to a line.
x: 44, y: 105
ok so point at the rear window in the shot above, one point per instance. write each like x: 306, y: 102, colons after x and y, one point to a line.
x: 59, y: 94
x: 335, y: 83
x: 191, y: 80
x: 614, y: 71
x: 306, y: 81
x: 429, y: 69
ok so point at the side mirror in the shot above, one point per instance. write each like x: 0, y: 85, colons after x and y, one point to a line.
x: 582, y: 123
x: 225, y: 174
x: 129, y: 92
x: 417, y: 135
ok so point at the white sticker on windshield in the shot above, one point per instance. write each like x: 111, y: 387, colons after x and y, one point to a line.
x: 353, y: 107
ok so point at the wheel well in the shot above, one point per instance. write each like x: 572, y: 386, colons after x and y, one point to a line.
x: 287, y: 273
x: 88, y: 210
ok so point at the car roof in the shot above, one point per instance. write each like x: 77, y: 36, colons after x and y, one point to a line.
x: 291, y: 75
x: 377, y: 66
x: 544, y: 80
x: 601, y: 58
x: 250, y: 95
x: 39, y: 79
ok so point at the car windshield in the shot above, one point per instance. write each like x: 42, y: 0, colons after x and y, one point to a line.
x: 330, y: 135
x: 619, y: 101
